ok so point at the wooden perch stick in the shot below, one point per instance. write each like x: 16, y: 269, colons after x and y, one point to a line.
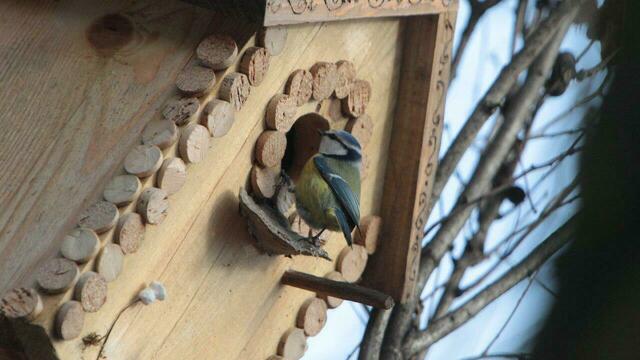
x: 338, y: 289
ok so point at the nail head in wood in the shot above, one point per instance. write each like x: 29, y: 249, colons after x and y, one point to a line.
x: 312, y: 316
x: 273, y: 38
x: 270, y: 148
x: 181, y: 111
x: 293, y: 344
x: 300, y: 86
x: 369, y: 233
x: 264, y: 180
x: 194, y: 143
x: 355, y: 104
x: 161, y: 133
x: 122, y: 189
x: 325, y: 78
x: 255, y: 64
x: 129, y: 233
x: 362, y: 128
x: 69, y: 320
x: 195, y: 80
x: 21, y: 303
x: 91, y: 291
x: 57, y: 275
x: 110, y: 261
x: 346, y: 75
x: 80, y: 245
x: 281, y: 112
x: 172, y: 175
x: 217, y: 51
x: 99, y: 217
x: 352, y: 262
x: 235, y: 88
x: 341, y: 289
x: 218, y: 116
x: 143, y: 160
x: 153, y: 205
x: 332, y: 301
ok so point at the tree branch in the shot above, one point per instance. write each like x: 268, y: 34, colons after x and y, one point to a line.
x: 373, y: 335
x: 443, y: 326
x: 495, y: 96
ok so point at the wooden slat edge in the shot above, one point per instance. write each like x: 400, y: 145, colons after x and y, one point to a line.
x: 413, y: 153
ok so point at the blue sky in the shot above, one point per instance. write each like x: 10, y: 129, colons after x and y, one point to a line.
x: 487, y: 53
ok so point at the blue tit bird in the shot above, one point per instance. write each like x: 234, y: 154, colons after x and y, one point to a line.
x: 328, y: 189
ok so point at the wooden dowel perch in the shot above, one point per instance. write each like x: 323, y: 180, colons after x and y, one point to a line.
x: 338, y: 289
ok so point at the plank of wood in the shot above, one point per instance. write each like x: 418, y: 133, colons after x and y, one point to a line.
x: 72, y: 108
x: 413, y: 153
x: 303, y: 11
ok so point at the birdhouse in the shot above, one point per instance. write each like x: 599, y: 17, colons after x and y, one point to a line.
x: 150, y: 155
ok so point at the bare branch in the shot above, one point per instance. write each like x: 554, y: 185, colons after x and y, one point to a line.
x: 418, y: 341
x: 373, y: 335
x: 495, y: 96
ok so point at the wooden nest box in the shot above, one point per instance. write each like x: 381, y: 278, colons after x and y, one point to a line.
x: 134, y: 132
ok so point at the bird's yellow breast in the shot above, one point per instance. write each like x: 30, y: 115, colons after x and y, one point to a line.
x: 314, y: 197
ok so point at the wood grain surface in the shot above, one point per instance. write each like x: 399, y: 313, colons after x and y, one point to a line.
x: 73, y: 112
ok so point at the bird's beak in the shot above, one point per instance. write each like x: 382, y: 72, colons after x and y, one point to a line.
x: 320, y: 132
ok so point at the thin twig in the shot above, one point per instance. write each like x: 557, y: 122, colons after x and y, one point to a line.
x: 513, y: 312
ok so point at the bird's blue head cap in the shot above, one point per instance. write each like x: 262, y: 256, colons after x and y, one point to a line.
x: 341, y: 145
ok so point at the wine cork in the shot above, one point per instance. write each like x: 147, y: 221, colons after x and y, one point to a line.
x: 194, y: 143
x: 264, y: 180
x: 91, y: 291
x: 312, y: 316
x: 281, y: 112
x: 181, y: 111
x: 300, y: 86
x: 21, y: 303
x: 346, y: 75
x: 80, y: 245
x: 293, y: 344
x: 355, y: 104
x: 362, y: 128
x: 195, y: 80
x: 129, y: 233
x: 325, y: 78
x: 270, y: 148
x: 352, y: 262
x: 57, y: 275
x: 218, y: 116
x: 332, y: 302
x: 69, y: 320
x: 110, y: 261
x: 235, y: 88
x: 153, y: 205
x: 161, y: 133
x: 255, y: 64
x: 369, y: 233
x: 217, y: 51
x: 122, y: 189
x: 172, y: 175
x: 143, y: 160
x: 273, y: 38
x: 99, y: 217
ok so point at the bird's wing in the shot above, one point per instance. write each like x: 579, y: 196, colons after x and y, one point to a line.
x: 344, y: 223
x: 349, y: 203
